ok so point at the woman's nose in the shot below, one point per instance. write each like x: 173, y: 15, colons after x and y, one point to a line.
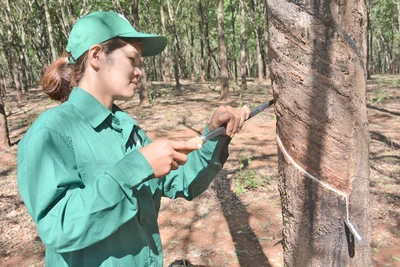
x: 138, y: 73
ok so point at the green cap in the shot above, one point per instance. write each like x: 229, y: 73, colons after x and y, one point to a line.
x: 98, y: 27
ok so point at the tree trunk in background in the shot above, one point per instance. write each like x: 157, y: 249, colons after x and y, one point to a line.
x: 222, y: 54
x: 369, y: 43
x: 191, y: 54
x: 380, y: 64
x: 208, y: 46
x: 142, y: 89
x: 174, y: 45
x: 201, y: 32
x: 259, y: 57
x: 242, y: 47
x: 233, y: 21
x: 317, y: 58
x: 19, y: 11
x: 398, y: 13
x: 3, y: 83
x: 165, y: 56
x: 26, y: 66
x: 184, y: 73
x: 257, y: 41
x: 49, y: 27
x: 266, y: 70
x: 13, y: 56
x: 4, y: 135
x: 63, y: 21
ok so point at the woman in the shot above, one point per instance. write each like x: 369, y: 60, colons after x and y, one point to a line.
x: 90, y: 177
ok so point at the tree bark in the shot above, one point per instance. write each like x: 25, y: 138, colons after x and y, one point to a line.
x: 209, y: 54
x: 242, y: 47
x: 369, y: 43
x: 13, y: 55
x: 317, y: 58
x: 4, y: 134
x: 233, y: 22
x: 191, y: 49
x: 175, y: 44
x: 3, y: 83
x: 257, y: 41
x: 398, y: 14
x: 63, y: 20
x: 25, y: 68
x: 50, y: 31
x: 142, y: 89
x: 20, y: 10
x: 165, y: 56
x: 222, y: 54
x: 201, y: 33
x: 265, y: 61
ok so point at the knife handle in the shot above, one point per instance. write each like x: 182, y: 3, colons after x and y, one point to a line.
x: 196, y: 139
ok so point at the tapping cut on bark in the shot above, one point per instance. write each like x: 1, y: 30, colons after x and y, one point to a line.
x: 317, y: 60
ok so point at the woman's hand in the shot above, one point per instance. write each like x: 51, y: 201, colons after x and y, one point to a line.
x: 164, y: 156
x: 234, y: 119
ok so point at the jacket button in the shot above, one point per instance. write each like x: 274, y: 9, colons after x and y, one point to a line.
x: 142, y: 221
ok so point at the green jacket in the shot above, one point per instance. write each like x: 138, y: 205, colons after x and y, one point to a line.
x: 90, y: 191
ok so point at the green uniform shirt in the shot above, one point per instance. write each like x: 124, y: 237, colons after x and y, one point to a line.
x: 90, y: 191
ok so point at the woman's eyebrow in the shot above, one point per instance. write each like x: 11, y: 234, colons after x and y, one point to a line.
x: 134, y: 53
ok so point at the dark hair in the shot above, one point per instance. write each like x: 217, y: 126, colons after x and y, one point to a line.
x: 61, y: 76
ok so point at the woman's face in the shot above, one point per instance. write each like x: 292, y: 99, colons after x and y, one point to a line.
x: 120, y: 72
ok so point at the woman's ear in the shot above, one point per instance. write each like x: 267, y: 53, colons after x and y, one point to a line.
x: 94, y: 56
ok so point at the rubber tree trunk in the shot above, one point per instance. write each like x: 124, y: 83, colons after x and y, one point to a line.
x: 12, y: 52
x: 201, y: 33
x: 369, y: 43
x: 3, y: 83
x: 233, y: 25
x: 209, y: 53
x: 165, y: 54
x: 243, y: 60
x: 317, y: 52
x: 4, y: 133
x: 175, y: 45
x: 222, y: 54
x: 49, y: 31
x: 142, y: 90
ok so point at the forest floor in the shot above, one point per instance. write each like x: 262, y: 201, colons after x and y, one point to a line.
x: 224, y: 226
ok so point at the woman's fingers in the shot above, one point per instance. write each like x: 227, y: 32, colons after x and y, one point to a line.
x: 164, y: 156
x: 187, y: 147
x: 244, y: 115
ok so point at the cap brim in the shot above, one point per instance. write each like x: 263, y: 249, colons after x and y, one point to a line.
x: 153, y: 44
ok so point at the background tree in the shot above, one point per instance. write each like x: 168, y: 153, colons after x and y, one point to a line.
x: 257, y: 34
x: 4, y: 134
x: 222, y: 54
x: 49, y: 27
x: 175, y: 47
x: 142, y: 90
x: 233, y: 7
x: 165, y: 55
x: 242, y: 47
x: 317, y: 58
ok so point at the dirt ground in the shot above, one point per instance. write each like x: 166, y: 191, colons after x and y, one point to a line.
x: 221, y: 227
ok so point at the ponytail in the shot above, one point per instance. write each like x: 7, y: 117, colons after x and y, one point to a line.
x: 61, y: 76
x: 56, y: 81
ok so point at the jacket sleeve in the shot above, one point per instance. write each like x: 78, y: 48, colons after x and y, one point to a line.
x: 195, y: 176
x: 69, y: 214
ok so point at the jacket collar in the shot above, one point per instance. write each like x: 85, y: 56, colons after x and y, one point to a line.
x: 89, y: 107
